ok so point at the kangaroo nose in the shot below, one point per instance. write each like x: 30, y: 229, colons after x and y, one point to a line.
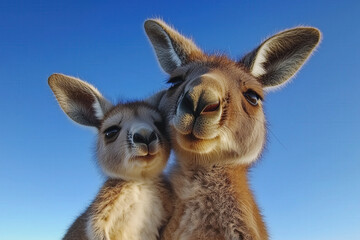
x: 205, y: 103
x: 153, y: 137
x: 187, y: 103
x: 144, y: 137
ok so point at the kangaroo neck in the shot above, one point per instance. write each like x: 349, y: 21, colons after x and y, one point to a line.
x: 230, y: 181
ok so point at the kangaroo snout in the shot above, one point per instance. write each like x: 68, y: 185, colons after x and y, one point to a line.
x: 141, y: 139
x: 198, y: 104
x: 146, y: 140
x: 200, y: 107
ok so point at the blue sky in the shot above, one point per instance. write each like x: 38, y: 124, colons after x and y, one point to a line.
x: 307, y: 183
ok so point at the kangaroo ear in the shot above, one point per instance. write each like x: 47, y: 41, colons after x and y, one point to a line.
x: 82, y: 102
x: 171, y: 48
x: 278, y: 58
x: 155, y: 99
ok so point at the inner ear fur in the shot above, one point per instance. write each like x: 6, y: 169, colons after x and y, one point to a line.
x: 82, y: 102
x: 172, y: 49
x: 279, y: 57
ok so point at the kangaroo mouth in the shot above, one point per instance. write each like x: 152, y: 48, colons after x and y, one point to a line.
x: 147, y: 158
x: 192, y: 138
x: 191, y: 143
x: 146, y: 161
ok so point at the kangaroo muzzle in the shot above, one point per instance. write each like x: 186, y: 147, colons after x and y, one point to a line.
x: 199, y: 108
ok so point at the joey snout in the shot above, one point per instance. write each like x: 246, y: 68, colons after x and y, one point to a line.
x: 146, y: 142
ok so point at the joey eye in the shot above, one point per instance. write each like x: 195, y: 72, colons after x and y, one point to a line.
x: 111, y: 133
x: 175, y: 81
x: 252, y: 97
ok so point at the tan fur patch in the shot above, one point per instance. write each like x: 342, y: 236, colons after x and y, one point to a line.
x: 240, y: 185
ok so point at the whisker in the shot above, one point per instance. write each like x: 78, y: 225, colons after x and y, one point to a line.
x: 276, y: 138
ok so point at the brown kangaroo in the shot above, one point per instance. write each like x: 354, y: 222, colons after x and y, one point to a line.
x: 132, y: 150
x: 217, y: 127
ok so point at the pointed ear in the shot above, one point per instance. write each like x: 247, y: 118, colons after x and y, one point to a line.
x: 171, y: 48
x: 278, y: 58
x: 82, y: 102
x: 155, y: 99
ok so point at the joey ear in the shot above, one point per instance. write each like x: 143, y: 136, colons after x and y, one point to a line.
x: 171, y: 48
x: 82, y: 102
x: 279, y: 57
x: 155, y: 99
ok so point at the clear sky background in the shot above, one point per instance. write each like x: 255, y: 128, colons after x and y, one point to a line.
x: 308, y: 181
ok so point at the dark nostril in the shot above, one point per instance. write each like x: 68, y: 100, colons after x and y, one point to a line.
x: 211, y: 107
x: 138, y: 138
x: 153, y: 137
x: 187, y: 103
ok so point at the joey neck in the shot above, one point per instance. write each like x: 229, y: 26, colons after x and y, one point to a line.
x: 134, y: 180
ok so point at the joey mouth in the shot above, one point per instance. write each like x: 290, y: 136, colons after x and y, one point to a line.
x: 145, y: 152
x: 147, y: 158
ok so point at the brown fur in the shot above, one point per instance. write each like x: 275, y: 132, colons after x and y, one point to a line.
x: 78, y: 229
x: 239, y: 180
x: 135, y: 201
x: 217, y: 127
x: 222, y: 207
x: 102, y: 206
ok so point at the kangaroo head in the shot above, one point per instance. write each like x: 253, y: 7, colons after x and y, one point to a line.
x: 215, y: 105
x: 131, y: 141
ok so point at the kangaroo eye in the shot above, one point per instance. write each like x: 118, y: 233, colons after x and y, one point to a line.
x: 252, y: 97
x: 111, y: 133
